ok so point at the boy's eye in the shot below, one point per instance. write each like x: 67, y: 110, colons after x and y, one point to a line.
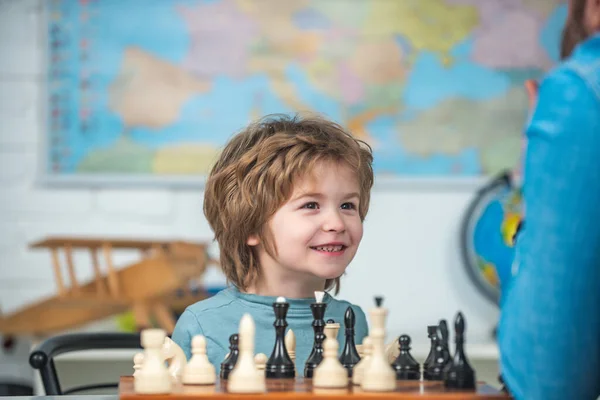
x: 311, y: 205
x: 349, y: 206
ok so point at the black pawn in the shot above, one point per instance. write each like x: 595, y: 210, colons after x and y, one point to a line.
x: 229, y: 362
x: 407, y: 368
x: 459, y: 374
x: 330, y: 321
x: 280, y: 365
x: 432, y: 335
x: 349, y: 357
x: 316, y: 355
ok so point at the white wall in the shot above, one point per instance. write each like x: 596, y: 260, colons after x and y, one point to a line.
x: 416, y: 268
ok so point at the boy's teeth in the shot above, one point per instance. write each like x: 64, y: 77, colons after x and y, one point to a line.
x: 330, y: 248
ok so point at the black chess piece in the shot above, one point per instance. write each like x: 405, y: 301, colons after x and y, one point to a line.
x: 407, y: 368
x: 434, y: 370
x: 432, y: 335
x: 459, y: 374
x: 280, y: 364
x: 331, y: 321
x: 349, y: 357
x: 229, y: 361
x: 378, y: 301
x: 444, y: 342
x: 316, y: 355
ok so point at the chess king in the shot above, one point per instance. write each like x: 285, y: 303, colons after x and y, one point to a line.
x: 286, y: 201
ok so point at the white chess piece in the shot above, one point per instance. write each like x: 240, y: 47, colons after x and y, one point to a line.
x: 330, y: 373
x: 199, y: 371
x: 245, y: 377
x: 260, y: 360
x: 331, y: 330
x: 138, y: 361
x: 174, y: 357
x: 290, y: 345
x: 378, y: 374
x: 359, y: 369
x: 153, y: 377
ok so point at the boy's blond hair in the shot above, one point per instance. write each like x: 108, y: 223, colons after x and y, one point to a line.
x: 254, y: 177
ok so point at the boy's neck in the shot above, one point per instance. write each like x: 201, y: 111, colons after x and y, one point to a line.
x: 289, y: 288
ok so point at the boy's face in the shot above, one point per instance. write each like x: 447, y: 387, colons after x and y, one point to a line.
x: 317, y: 232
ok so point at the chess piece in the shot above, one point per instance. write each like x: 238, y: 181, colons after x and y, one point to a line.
x: 175, y: 358
x: 199, y: 371
x: 316, y: 355
x: 231, y: 358
x: 459, y: 374
x: 431, y: 334
x: 330, y: 373
x: 333, y: 327
x: 444, y: 341
x: 260, y: 360
x: 138, y: 361
x: 407, y: 368
x: 349, y: 357
x: 290, y: 345
x: 153, y: 377
x: 434, y: 370
x: 280, y: 365
x: 358, y: 371
x: 379, y: 376
x: 245, y: 377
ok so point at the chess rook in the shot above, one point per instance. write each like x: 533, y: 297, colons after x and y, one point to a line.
x: 280, y: 365
x: 316, y: 355
x: 459, y: 374
x: 153, y: 377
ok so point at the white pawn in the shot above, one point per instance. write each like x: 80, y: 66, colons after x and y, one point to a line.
x: 359, y: 369
x: 245, y: 377
x: 260, y: 360
x: 199, y: 371
x: 330, y: 373
x: 153, y: 377
x: 138, y: 361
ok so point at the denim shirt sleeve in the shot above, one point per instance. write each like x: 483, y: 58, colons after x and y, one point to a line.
x: 549, y: 331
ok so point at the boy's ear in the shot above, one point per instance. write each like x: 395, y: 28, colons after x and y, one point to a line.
x: 252, y: 240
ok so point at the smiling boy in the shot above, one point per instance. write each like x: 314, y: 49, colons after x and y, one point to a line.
x: 286, y: 201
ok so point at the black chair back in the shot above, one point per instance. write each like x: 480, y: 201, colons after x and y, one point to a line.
x: 42, y: 358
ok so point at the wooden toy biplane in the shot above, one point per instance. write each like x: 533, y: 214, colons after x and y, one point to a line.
x: 150, y: 287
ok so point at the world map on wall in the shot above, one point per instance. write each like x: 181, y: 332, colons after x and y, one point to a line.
x: 155, y: 91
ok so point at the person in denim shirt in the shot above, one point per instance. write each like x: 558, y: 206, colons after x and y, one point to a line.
x: 549, y: 331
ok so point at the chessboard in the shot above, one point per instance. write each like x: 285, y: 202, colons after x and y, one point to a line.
x: 370, y: 373
x: 301, y: 388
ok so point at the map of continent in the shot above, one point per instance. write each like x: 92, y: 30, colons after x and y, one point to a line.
x: 435, y: 87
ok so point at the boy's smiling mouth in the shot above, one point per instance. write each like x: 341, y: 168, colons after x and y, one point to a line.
x: 330, y: 247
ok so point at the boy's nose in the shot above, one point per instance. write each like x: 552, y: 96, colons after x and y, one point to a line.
x: 333, y: 222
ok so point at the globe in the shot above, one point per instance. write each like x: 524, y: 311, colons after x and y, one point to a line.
x: 488, y: 229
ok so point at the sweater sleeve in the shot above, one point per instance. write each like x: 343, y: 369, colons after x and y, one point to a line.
x: 549, y: 331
